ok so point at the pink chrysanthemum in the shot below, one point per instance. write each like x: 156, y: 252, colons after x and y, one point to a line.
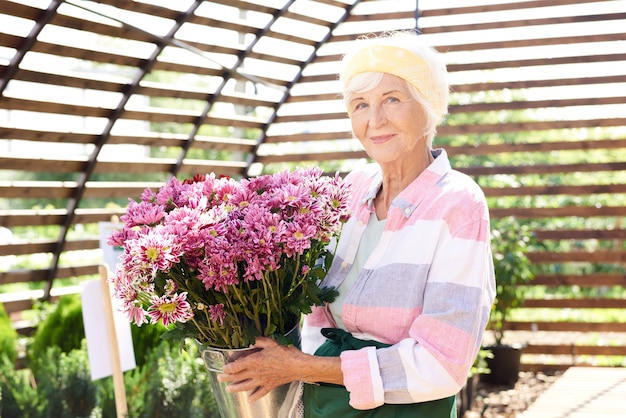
x: 154, y: 251
x: 217, y: 313
x: 170, y: 309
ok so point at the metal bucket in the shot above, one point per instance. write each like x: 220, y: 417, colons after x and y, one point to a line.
x: 275, y: 404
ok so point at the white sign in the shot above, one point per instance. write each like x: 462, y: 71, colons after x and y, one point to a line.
x: 98, y: 341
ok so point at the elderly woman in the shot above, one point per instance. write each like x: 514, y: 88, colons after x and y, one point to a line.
x: 413, y: 266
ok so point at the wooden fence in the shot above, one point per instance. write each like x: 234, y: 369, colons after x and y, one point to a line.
x: 538, y: 118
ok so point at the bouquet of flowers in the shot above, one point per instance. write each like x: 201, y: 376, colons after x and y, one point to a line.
x: 223, y: 261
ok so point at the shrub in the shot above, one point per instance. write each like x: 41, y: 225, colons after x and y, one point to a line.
x: 62, y: 328
x: 8, y: 336
x: 171, y: 383
x: 64, y: 382
x: 18, y: 398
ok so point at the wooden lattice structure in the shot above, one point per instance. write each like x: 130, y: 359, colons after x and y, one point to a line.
x: 94, y: 91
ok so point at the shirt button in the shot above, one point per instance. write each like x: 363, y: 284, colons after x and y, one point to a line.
x: 361, y: 223
x: 407, y: 211
x: 344, y: 264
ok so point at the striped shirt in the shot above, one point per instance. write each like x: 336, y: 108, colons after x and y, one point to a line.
x: 427, y: 288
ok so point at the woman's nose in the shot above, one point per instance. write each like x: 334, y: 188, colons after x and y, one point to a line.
x: 378, y: 116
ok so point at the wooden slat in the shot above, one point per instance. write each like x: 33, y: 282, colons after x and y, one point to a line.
x: 105, y: 29
x: 587, y: 280
x: 560, y: 20
x: 575, y: 350
x: 570, y: 326
x: 9, y: 162
x: 598, y: 256
x: 28, y: 276
x: 14, y: 218
x: 532, y: 62
x: 535, y: 104
x: 50, y: 107
x: 322, y: 156
x: 498, y: 7
x: 308, y: 137
x: 595, y: 303
x: 66, y: 189
x: 564, y: 211
x: 147, y: 139
x: 47, y: 247
x: 407, y: 14
x: 141, y: 7
x: 21, y: 10
x: 80, y: 82
x: 65, y: 166
x: 172, y: 140
x: 10, y: 41
x: 543, y: 368
x: 544, y: 169
x: 529, y: 84
x: 529, y: 126
x: 556, y: 190
x: 567, y: 234
x: 89, y: 55
x: 544, y: 146
x: 26, y: 134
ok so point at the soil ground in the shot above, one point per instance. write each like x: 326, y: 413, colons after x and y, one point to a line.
x: 509, y: 401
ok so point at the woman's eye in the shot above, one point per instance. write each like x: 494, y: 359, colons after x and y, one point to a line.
x: 393, y: 100
x: 360, y: 106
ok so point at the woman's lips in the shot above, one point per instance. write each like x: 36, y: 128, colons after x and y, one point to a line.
x: 380, y: 139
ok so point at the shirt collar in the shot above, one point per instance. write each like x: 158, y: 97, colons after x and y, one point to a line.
x: 439, y: 167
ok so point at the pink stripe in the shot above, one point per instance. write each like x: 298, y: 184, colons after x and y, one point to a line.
x: 388, y: 325
x: 449, y: 345
x: 357, y: 378
x: 456, y: 216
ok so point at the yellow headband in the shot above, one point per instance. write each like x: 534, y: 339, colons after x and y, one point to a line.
x: 395, y: 61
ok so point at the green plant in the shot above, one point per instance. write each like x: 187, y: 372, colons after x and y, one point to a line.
x: 62, y: 327
x: 172, y: 382
x: 18, y: 398
x: 510, y: 242
x: 145, y: 339
x: 8, y: 336
x: 480, y: 363
x: 64, y: 382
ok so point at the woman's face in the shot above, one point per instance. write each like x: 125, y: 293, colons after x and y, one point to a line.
x: 389, y: 122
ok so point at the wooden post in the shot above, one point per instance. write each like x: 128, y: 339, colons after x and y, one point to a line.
x: 116, y: 364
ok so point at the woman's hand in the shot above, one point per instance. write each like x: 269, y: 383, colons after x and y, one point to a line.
x: 260, y: 372
x: 276, y: 365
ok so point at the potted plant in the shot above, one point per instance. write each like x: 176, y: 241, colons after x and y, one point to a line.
x: 513, y: 269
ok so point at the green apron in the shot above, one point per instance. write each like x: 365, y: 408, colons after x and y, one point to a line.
x: 329, y: 401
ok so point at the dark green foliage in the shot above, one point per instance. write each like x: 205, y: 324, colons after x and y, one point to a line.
x: 18, y: 399
x: 64, y: 382
x: 8, y: 336
x: 62, y: 328
x: 172, y: 383
x: 145, y: 338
